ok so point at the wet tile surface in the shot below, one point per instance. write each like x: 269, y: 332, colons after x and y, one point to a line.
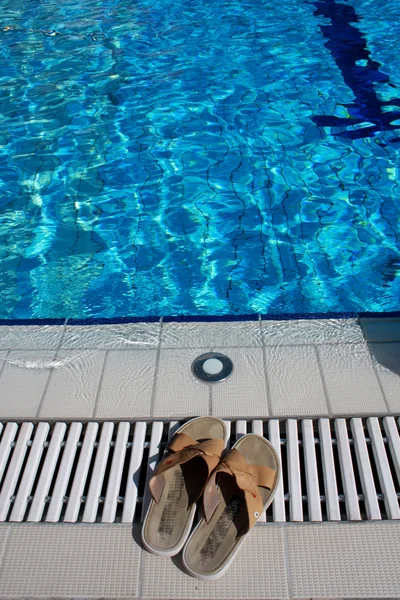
x: 203, y: 335
x: 30, y: 337
x: 178, y: 393
x: 127, y: 336
x: 23, y: 381
x: 73, y: 384
x: 127, y: 383
x: 386, y: 357
x: 311, y: 331
x: 350, y: 380
x: 294, y: 381
x: 244, y: 393
x: 381, y: 330
x: 119, y: 371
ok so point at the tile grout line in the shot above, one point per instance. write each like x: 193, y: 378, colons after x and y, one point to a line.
x: 323, y: 382
x: 100, y: 384
x: 140, y: 582
x: 46, y: 387
x: 3, y: 554
x: 64, y: 331
x: 297, y: 416
x: 266, y: 378
x: 210, y: 385
x: 277, y: 345
x: 156, y: 370
x: 359, y: 323
x: 229, y: 417
x: 104, y: 348
x: 4, y: 361
x: 286, y: 559
x: 378, y: 379
x: 151, y: 347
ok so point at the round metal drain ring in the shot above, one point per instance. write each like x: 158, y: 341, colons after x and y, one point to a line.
x: 212, y: 367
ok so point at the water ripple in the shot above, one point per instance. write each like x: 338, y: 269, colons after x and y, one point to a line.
x: 168, y: 159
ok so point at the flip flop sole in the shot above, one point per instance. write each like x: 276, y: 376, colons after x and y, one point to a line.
x: 213, y: 546
x: 167, y: 524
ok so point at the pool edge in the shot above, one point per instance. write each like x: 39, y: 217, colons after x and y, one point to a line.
x: 203, y: 318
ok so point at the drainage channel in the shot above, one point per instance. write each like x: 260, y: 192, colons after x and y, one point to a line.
x: 333, y: 469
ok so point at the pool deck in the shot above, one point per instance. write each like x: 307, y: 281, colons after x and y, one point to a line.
x: 281, y: 368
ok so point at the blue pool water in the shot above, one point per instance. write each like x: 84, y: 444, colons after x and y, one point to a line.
x: 198, y: 157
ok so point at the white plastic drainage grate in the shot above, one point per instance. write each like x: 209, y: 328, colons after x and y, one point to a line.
x: 333, y: 469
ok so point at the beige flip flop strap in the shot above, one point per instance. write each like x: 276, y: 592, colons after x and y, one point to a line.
x: 247, y: 478
x: 184, y: 448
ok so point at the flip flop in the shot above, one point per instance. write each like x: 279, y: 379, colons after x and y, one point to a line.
x: 178, y: 483
x: 240, y: 489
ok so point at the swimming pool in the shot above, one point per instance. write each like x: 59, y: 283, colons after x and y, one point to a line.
x: 198, y: 157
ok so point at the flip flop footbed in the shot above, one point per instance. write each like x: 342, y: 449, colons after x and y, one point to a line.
x: 177, y: 487
x: 214, y: 543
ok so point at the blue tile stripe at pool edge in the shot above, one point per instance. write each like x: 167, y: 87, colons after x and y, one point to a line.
x: 203, y: 318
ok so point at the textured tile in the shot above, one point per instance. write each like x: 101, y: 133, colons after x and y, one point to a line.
x: 244, y: 393
x: 294, y: 381
x: 73, y: 384
x: 70, y: 560
x: 30, y: 337
x: 3, y: 354
x: 127, y: 383
x: 22, y: 382
x: 350, y: 380
x: 344, y: 560
x: 311, y: 331
x: 386, y: 359
x: 126, y: 335
x: 207, y: 335
x: 258, y: 572
x: 178, y: 392
x: 381, y: 330
x: 4, y: 533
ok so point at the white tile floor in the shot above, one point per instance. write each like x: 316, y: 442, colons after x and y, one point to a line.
x: 281, y: 368
x: 353, y: 560
x: 311, y: 331
x: 106, y: 337
x: 177, y: 391
x: 73, y: 385
x: 259, y: 574
x: 295, y: 382
x: 351, y: 382
x: 242, y: 334
x: 387, y: 366
x: 126, y: 385
x: 231, y: 397
x: 278, y: 562
x: 23, y: 382
x: 87, y: 561
x: 40, y: 337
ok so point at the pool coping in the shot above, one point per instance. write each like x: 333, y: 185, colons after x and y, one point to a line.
x: 310, y: 367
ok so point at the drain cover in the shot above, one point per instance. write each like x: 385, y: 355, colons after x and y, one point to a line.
x: 90, y: 472
x: 212, y: 367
